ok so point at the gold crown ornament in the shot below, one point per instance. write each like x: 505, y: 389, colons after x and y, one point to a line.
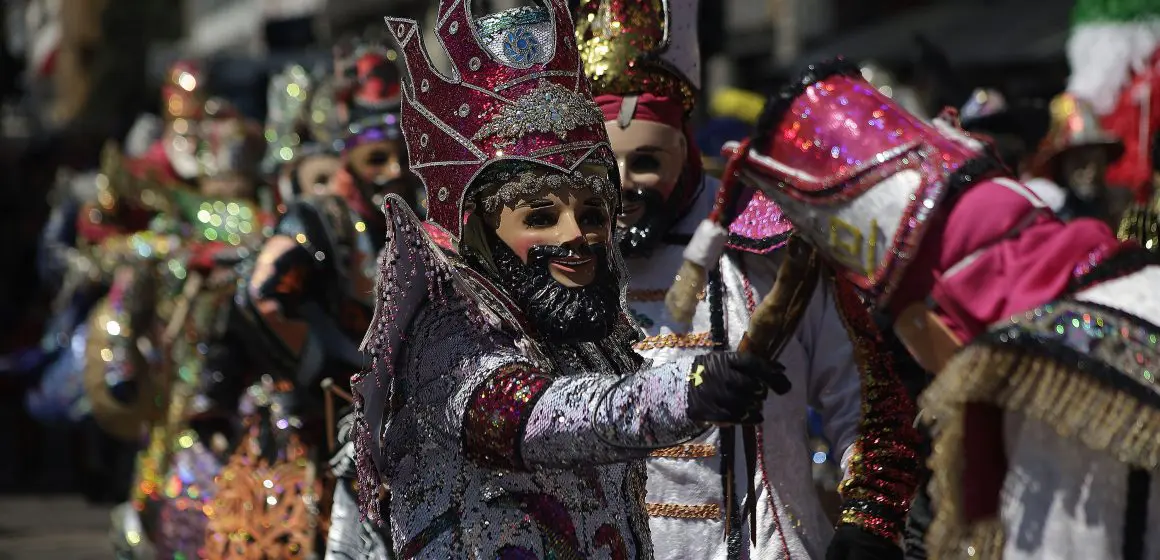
x: 1074, y: 125
x: 641, y: 46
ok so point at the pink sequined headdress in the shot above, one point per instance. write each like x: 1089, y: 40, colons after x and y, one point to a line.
x: 861, y: 177
x: 516, y: 92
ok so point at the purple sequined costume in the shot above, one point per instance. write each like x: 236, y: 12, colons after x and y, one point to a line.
x: 494, y: 445
x: 488, y: 442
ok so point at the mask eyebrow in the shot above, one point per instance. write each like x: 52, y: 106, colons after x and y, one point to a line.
x: 536, y: 204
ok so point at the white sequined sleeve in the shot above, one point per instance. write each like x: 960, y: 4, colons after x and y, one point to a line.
x: 509, y: 413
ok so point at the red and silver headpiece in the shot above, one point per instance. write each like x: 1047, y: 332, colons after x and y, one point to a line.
x: 859, y: 177
x: 516, y: 93
x: 371, y: 94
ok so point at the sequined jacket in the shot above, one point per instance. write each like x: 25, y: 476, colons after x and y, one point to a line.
x: 685, y: 500
x: 494, y: 445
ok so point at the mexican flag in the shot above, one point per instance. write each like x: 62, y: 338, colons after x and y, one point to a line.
x: 1113, y: 52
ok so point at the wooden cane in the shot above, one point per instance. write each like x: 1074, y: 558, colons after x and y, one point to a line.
x: 771, y: 325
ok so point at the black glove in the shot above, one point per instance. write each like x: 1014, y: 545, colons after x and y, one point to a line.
x: 855, y: 543
x: 730, y: 387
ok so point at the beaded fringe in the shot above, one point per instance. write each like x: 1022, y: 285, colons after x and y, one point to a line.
x: 1039, y: 387
x: 369, y: 482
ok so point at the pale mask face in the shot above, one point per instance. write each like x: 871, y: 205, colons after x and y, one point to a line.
x: 180, y: 141
x: 313, y: 173
x: 651, y: 157
x: 377, y: 166
x: 574, y: 220
x: 1083, y: 170
x: 551, y: 252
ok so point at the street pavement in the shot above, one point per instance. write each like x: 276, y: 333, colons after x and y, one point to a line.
x: 63, y: 527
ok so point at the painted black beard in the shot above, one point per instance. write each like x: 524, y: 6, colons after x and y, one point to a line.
x: 558, y: 313
x: 639, y: 239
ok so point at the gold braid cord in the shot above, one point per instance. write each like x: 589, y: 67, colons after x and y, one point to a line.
x: 883, y: 470
x: 681, y: 511
x: 1103, y: 398
x: 264, y: 511
x: 692, y: 451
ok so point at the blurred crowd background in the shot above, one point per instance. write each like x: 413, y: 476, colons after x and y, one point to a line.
x: 76, y: 73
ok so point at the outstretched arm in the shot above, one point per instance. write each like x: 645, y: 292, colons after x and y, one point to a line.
x: 508, y: 412
x: 277, y: 287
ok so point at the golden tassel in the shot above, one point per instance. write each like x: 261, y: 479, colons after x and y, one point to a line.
x: 681, y: 299
x: 692, y: 277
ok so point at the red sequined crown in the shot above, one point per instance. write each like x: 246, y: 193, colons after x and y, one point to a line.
x: 516, y: 92
x: 370, y: 95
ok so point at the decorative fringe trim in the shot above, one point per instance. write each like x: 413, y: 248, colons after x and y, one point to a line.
x: 1141, y: 223
x: 1104, y: 55
x: 1039, y: 387
x: 368, y: 476
x: 691, y: 451
x: 883, y: 468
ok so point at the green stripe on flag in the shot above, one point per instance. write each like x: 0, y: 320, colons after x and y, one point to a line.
x: 1093, y: 11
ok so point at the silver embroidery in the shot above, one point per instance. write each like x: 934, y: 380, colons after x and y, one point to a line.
x: 514, y: 186
x: 548, y: 108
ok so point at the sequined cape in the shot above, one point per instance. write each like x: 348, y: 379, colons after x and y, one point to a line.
x: 350, y: 537
x: 493, y: 444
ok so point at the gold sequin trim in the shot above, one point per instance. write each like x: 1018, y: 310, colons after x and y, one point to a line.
x: 681, y: 511
x: 697, y: 451
x: 1082, y: 409
x: 692, y: 340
